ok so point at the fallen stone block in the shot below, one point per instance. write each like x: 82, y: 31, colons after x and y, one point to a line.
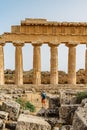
x: 42, y: 112
x: 11, y: 125
x: 66, y: 127
x: 50, y: 112
x: 56, y: 128
x: 4, y: 115
x: 66, y: 113
x: 84, y: 101
x: 67, y: 96
x: 54, y: 101
x: 54, y: 122
x: 12, y: 108
x: 29, y: 122
x: 1, y: 124
x: 80, y: 119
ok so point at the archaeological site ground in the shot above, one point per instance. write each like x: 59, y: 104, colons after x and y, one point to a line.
x: 66, y: 93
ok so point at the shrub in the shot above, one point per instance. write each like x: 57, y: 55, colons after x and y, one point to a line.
x: 29, y: 106
x: 80, y: 96
x: 26, y: 105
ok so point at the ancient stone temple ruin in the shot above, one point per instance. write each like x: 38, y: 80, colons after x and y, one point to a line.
x: 38, y: 32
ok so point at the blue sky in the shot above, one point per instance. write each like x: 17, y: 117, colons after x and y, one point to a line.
x: 13, y: 11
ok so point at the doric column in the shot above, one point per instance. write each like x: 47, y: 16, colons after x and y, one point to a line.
x: 18, y: 64
x: 53, y: 64
x: 72, y: 64
x: 86, y: 65
x: 36, y: 64
x: 1, y: 64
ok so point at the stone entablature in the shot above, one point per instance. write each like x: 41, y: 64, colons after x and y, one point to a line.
x: 38, y: 32
x: 34, y: 30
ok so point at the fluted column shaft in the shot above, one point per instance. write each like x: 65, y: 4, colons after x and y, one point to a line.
x: 72, y: 64
x: 53, y: 64
x: 86, y: 65
x: 18, y: 64
x: 1, y: 64
x: 36, y: 65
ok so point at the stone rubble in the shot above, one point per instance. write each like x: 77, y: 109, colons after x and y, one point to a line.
x: 1, y: 124
x: 29, y: 122
x: 62, y: 114
x: 12, y: 108
x: 80, y: 118
x: 4, y: 115
x: 66, y: 113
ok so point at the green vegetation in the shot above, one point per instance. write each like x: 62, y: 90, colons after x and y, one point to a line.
x: 80, y: 96
x: 26, y: 105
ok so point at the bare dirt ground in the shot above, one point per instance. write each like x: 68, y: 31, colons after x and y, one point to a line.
x: 35, y: 99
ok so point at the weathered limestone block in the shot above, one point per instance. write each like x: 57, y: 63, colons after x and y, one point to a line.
x: 54, y: 104
x: 50, y: 112
x: 1, y: 124
x: 54, y: 101
x: 84, y: 101
x: 67, y: 97
x: 80, y: 119
x: 54, y: 122
x: 27, y: 112
x: 28, y: 122
x: 64, y: 98
x: 66, y: 113
x: 4, y: 115
x: 41, y: 112
x: 56, y: 128
x: 66, y: 127
x: 12, y: 108
x: 10, y: 125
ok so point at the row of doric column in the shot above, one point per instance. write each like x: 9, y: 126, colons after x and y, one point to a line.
x: 37, y: 64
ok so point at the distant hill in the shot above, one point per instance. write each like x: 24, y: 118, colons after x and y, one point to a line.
x: 45, y: 77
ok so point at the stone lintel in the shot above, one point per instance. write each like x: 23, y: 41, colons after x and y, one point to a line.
x: 30, y: 38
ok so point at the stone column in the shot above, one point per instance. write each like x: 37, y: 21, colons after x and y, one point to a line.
x: 86, y: 65
x: 1, y: 64
x: 18, y: 64
x: 72, y: 64
x: 36, y: 64
x: 54, y: 64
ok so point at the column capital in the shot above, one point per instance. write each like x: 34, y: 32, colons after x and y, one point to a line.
x: 53, y: 45
x: 18, y: 44
x: 36, y: 44
x: 2, y: 44
x: 86, y: 46
x: 71, y: 45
